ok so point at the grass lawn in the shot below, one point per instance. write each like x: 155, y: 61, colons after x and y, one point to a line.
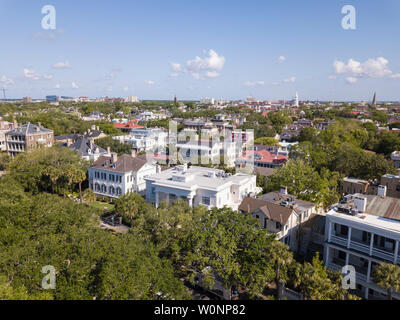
x: 101, y: 205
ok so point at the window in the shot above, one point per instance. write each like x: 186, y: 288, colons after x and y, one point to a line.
x: 342, y: 255
x: 205, y: 200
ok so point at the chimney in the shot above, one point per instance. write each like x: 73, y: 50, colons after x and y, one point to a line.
x: 114, y: 157
x: 284, y: 190
x: 93, y: 127
x: 97, y: 128
x: 91, y: 143
x: 158, y: 168
x: 39, y: 124
x: 69, y: 142
x: 133, y: 153
x: 108, y: 150
x: 382, y: 191
x: 360, y: 204
x: 15, y: 124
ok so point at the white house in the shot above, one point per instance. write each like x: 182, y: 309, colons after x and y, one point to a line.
x: 145, y: 139
x: 115, y: 176
x: 362, y: 231
x: 200, y: 185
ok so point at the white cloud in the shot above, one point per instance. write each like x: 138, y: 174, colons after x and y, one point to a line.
x: 57, y: 86
x: 372, y: 68
x: 74, y: 85
x: 281, y: 59
x: 174, y: 75
x: 6, y: 80
x: 176, y: 67
x: 351, y: 79
x: 149, y: 82
x: 252, y: 84
x: 109, y: 88
x: 332, y: 77
x: 212, y: 74
x: 126, y: 89
x: 31, y: 74
x: 395, y: 76
x: 62, y: 65
x: 288, y: 80
x: 212, y: 62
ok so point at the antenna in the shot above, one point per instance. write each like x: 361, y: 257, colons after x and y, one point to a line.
x: 4, y: 94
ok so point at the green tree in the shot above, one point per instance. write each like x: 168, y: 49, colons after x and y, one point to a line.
x: 387, y: 275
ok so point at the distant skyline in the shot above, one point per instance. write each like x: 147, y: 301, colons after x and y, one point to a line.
x: 217, y: 49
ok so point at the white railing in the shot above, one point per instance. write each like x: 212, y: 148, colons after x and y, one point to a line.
x: 359, y: 247
x: 382, y: 254
x: 360, y: 276
x: 339, y: 240
x: 336, y: 267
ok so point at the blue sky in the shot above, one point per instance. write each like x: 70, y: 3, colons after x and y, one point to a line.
x: 148, y: 48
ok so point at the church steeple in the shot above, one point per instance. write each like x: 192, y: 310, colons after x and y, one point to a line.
x: 374, y: 101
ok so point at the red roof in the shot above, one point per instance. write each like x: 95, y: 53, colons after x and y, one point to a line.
x: 263, y: 156
x: 126, y: 126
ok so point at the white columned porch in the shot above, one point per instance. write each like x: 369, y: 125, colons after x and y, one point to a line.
x: 371, y: 245
x: 348, y: 238
x: 330, y: 231
x: 157, y: 199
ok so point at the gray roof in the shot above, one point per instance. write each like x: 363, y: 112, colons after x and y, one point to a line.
x: 277, y: 198
x: 28, y: 128
x: 82, y: 146
x: 124, y: 163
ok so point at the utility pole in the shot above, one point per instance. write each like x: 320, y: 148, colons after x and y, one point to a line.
x: 4, y: 94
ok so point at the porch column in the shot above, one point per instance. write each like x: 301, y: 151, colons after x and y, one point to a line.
x: 369, y: 270
x: 347, y: 258
x: 167, y: 197
x: 329, y: 231
x: 348, y: 238
x: 366, y: 293
x: 327, y: 255
x: 396, y: 251
x: 371, y: 245
x: 157, y: 199
x: 190, y: 201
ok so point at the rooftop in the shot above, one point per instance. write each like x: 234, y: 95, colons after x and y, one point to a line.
x: 279, y: 198
x: 201, y: 177
x: 379, y: 211
x: 83, y: 146
x: 29, y: 128
x: 124, y: 163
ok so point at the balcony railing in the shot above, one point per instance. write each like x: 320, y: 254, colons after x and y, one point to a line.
x: 364, y: 248
x: 339, y: 240
x: 336, y: 267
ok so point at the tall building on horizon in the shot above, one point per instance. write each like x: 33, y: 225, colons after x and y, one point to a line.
x: 296, y: 100
x: 374, y: 101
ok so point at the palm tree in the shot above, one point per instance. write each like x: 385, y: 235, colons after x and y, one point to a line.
x: 280, y: 255
x: 54, y: 174
x: 78, y: 177
x: 387, y: 275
